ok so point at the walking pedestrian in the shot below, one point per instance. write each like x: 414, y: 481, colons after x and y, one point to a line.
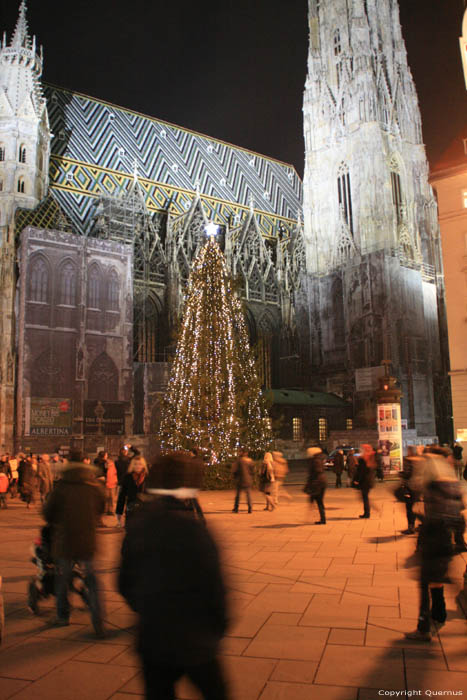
x: 111, y: 482
x: 338, y: 462
x: 44, y: 476
x: 410, y: 490
x: 316, y: 483
x: 4, y: 485
x: 281, y: 469
x: 73, y: 509
x: 351, y: 466
x: 171, y: 576
x: 266, y: 480
x: 27, y: 480
x: 242, y: 472
x: 123, y: 461
x: 442, y: 498
x: 364, y: 478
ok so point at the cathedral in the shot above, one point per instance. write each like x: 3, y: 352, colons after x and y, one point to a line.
x: 102, y: 211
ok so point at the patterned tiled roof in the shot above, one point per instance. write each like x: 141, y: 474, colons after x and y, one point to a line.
x: 96, y: 146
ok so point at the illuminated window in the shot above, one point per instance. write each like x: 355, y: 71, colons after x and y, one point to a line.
x: 297, y: 429
x: 349, y: 424
x: 322, y: 429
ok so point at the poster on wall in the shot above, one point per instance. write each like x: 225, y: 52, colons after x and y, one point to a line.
x: 104, y: 417
x: 48, y: 417
x: 390, y: 434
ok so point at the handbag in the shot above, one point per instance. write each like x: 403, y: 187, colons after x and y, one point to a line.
x: 402, y: 493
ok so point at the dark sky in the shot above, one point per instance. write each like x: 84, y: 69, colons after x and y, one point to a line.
x: 232, y: 69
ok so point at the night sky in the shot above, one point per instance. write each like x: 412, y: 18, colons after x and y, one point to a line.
x: 234, y: 70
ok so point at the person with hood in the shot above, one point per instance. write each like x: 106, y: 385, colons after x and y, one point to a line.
x: 364, y: 478
x: 73, y: 510
x: 443, y: 506
x: 317, y: 482
x: 133, y: 484
x: 171, y: 576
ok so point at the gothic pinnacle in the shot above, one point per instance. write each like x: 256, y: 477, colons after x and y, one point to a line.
x: 20, y: 37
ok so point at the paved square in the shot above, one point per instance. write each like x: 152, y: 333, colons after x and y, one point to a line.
x: 318, y: 612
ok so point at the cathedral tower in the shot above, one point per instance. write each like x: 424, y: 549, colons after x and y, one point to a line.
x: 24, y: 167
x: 370, y: 218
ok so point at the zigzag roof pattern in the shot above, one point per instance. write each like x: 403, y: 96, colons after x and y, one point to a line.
x: 93, y: 134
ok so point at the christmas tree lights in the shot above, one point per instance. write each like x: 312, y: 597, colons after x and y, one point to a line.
x: 213, y: 401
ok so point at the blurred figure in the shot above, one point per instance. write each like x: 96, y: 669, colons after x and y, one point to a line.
x: 123, y: 461
x: 44, y: 476
x: 111, y: 482
x: 351, y: 466
x: 171, y: 575
x: 242, y: 472
x: 338, y: 462
x: 411, y: 484
x: 457, y: 450
x: 281, y: 469
x: 379, y: 463
x: 101, y: 463
x: 364, y: 477
x: 317, y: 482
x: 4, y: 485
x: 443, y: 505
x: 198, y: 467
x: 26, y: 480
x: 133, y: 484
x: 73, y: 509
x: 56, y: 466
x: 5, y: 467
x: 266, y: 480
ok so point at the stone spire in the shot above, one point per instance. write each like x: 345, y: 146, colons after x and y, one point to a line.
x: 20, y: 39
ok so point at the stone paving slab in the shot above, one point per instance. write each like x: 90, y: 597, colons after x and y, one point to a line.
x: 317, y: 611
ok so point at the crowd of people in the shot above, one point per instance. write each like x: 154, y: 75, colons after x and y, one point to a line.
x: 170, y: 571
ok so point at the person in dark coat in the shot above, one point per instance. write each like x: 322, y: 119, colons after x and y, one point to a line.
x: 443, y: 506
x: 27, y: 480
x: 317, y: 482
x: 133, y: 485
x: 242, y: 472
x: 123, y: 461
x: 171, y: 576
x: 351, y: 466
x: 73, y: 510
x: 411, y: 482
x: 365, y: 476
x: 338, y: 462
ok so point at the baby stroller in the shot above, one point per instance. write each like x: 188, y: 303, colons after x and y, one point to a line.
x: 42, y: 585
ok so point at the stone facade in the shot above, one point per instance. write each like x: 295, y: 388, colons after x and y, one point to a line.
x: 370, y: 218
x: 75, y: 327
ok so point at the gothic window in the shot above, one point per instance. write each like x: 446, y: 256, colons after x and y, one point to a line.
x: 2, y: 153
x: 1, y: 185
x: 397, y: 198
x: 21, y: 185
x: 338, y: 322
x: 345, y: 195
x: 147, y: 336
x: 113, y: 290
x: 41, y: 161
x: 94, y: 288
x: 337, y: 43
x: 39, y: 281
x: 103, y: 379
x: 68, y: 284
x: 22, y: 154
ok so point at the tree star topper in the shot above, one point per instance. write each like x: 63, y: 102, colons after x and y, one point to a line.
x: 211, y: 229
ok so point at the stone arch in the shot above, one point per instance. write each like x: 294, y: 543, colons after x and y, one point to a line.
x: 48, y: 377
x: 148, y: 333
x: 103, y: 379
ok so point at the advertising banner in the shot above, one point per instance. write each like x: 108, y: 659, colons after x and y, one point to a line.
x: 104, y: 417
x: 390, y: 434
x: 46, y: 417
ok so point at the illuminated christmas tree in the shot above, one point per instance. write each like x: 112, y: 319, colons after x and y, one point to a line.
x: 213, y: 400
